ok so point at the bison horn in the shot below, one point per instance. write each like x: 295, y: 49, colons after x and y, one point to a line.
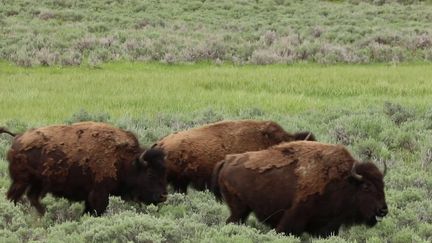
x: 385, y: 168
x: 354, y: 173
x: 308, y: 136
x: 141, y: 159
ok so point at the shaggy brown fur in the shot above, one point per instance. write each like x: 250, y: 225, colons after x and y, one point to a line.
x: 301, y: 187
x: 80, y: 143
x: 85, y: 161
x: 192, y: 154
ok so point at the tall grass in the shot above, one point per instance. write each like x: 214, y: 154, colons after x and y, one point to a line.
x: 133, y: 89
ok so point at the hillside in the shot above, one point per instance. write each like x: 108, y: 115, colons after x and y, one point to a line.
x: 72, y: 32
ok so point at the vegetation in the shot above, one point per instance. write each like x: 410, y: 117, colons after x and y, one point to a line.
x: 47, y: 95
x: 380, y: 112
x: 72, y: 32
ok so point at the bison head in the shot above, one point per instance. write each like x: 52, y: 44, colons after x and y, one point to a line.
x: 369, y: 195
x: 147, y: 182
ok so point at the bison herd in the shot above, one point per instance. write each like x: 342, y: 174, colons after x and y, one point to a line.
x: 288, y: 180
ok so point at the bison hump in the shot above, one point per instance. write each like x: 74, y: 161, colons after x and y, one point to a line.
x: 261, y: 161
x: 95, y: 147
x: 316, y: 164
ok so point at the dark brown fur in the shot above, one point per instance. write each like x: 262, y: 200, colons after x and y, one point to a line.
x: 301, y: 187
x: 84, y: 162
x: 192, y: 154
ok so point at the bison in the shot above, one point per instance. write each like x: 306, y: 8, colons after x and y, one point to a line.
x: 301, y: 187
x: 85, y: 161
x: 192, y: 154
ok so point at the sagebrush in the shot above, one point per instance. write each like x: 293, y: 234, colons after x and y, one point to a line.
x: 197, y: 217
x: 59, y: 32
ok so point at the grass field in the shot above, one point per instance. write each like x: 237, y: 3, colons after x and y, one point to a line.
x: 380, y: 112
x: 147, y: 90
x: 72, y: 32
x: 200, y: 66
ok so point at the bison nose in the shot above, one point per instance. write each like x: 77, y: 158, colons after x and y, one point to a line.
x: 383, y: 211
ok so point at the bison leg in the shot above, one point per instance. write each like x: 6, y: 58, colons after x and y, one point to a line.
x: 15, y: 192
x: 182, y: 188
x: 33, y: 196
x: 239, y: 214
x: 331, y: 229
x: 96, y: 203
x: 239, y: 210
x: 291, y: 222
x: 179, y: 185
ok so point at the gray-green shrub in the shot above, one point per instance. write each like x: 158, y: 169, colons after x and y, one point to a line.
x: 261, y: 32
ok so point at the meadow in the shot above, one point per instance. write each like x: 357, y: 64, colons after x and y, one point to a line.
x: 380, y: 112
x: 158, y: 66
x: 73, y: 32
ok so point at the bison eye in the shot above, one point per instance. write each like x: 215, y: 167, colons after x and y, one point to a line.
x: 365, y: 187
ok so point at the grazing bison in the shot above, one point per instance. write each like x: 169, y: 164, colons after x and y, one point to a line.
x: 192, y: 154
x: 301, y: 187
x: 85, y: 161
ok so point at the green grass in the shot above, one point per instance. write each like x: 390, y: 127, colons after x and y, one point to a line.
x: 48, y: 95
x: 380, y: 112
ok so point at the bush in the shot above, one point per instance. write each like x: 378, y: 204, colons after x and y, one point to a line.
x: 83, y: 115
x: 280, y: 31
x: 331, y: 54
x: 197, y: 217
x: 370, y: 149
x: 426, y: 160
x: 340, y: 135
x: 47, y: 58
x: 71, y: 58
x: 264, y: 57
x: 397, y: 113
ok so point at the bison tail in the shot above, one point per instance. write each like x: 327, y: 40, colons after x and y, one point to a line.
x: 215, y: 178
x: 3, y: 130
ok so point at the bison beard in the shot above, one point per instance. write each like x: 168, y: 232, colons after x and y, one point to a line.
x: 84, y: 162
x: 301, y: 187
x: 192, y: 154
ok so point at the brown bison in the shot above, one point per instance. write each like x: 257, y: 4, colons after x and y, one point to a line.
x: 192, y: 154
x: 85, y: 161
x: 301, y: 187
